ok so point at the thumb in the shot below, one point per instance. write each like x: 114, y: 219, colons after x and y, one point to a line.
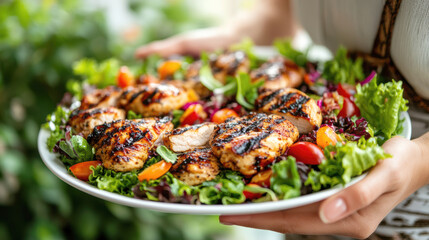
x: 355, y: 197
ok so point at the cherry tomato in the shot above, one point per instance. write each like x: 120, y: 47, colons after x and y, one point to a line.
x: 223, y: 114
x: 192, y: 114
x: 262, y: 178
x: 349, y: 109
x: 326, y: 136
x: 190, y: 119
x: 155, y: 171
x: 251, y: 195
x: 306, y: 152
x: 82, y: 170
x: 345, y: 90
x: 168, y: 68
x: 124, y: 78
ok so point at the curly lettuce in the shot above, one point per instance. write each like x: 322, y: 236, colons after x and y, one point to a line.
x: 381, y: 105
x: 344, y: 162
x: 286, y: 181
x: 116, y: 182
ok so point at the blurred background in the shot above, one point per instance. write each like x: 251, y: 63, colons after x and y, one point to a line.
x: 39, y: 41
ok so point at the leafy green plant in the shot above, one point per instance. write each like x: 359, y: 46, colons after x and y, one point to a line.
x: 39, y: 42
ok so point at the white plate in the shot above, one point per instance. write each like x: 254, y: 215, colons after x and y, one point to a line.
x: 57, y: 167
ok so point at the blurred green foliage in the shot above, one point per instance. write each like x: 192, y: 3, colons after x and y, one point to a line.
x: 39, y: 42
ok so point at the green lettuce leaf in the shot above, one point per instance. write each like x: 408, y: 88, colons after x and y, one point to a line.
x: 207, y: 78
x: 285, y: 48
x: 116, y: 182
x: 133, y: 115
x: 100, y: 74
x: 247, y: 92
x: 381, y: 105
x: 166, y: 154
x: 77, y: 149
x: 55, y: 124
x: 247, y: 46
x: 226, y: 188
x: 177, y: 114
x: 342, y: 162
x: 342, y: 69
x: 285, y: 181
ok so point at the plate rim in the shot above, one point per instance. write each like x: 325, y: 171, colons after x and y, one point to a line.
x: 55, y: 165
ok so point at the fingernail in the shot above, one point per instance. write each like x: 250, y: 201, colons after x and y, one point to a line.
x: 333, y: 211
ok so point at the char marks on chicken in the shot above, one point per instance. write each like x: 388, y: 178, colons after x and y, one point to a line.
x: 196, y: 166
x: 153, y: 99
x: 294, y: 105
x: 278, y: 73
x: 84, y: 121
x: 124, y: 145
x: 250, y: 143
x: 229, y: 64
x: 101, y: 98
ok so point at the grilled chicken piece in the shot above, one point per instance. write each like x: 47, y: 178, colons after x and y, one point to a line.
x: 123, y: 145
x: 84, y: 121
x: 107, y: 97
x: 229, y: 64
x: 293, y: 104
x: 188, y: 138
x: 278, y: 73
x: 248, y: 144
x: 196, y: 166
x: 153, y: 99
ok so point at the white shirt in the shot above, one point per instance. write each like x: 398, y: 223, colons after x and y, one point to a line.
x: 354, y: 24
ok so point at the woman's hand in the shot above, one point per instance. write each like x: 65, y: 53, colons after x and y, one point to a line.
x: 192, y: 43
x: 270, y: 19
x: 357, y: 210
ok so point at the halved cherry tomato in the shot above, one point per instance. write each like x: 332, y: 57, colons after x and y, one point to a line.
x: 349, y: 109
x: 306, y: 152
x: 190, y: 119
x: 223, y: 114
x: 345, y: 90
x: 251, y: 195
x: 82, y: 170
x: 192, y: 114
x: 124, y: 78
x: 168, y: 68
x: 155, y: 171
x: 326, y: 136
x: 262, y: 178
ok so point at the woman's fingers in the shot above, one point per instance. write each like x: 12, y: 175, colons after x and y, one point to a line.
x: 355, y: 197
x: 192, y: 43
x: 383, y: 178
x: 164, y: 48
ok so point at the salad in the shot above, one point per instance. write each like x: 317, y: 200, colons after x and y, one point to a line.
x: 225, y: 128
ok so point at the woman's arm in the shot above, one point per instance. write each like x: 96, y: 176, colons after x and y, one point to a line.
x: 358, y: 210
x: 270, y: 19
